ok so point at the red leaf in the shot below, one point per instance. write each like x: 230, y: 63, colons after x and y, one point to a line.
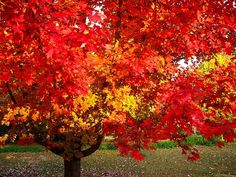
x: 220, y: 144
x: 50, y: 53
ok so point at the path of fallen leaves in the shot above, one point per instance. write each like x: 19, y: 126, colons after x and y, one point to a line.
x: 33, y: 171
x: 39, y: 165
x: 214, y: 162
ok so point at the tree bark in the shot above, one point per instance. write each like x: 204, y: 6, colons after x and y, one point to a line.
x: 72, y: 168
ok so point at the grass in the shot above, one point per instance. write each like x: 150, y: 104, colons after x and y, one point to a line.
x: 18, y: 148
x: 106, y: 145
x: 214, y: 162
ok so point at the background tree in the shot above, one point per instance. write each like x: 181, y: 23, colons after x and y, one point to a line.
x: 74, y: 71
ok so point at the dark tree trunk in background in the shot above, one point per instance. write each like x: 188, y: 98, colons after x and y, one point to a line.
x: 72, y: 168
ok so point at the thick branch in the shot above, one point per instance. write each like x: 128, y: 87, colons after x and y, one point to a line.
x: 118, y: 23
x: 13, y: 99
x: 38, y: 37
x: 58, y: 150
x: 40, y: 136
x: 94, y: 147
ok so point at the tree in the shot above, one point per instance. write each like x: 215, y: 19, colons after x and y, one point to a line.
x: 75, y: 71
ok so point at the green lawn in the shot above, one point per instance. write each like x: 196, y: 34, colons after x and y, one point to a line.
x: 217, y: 162
x: 107, y: 145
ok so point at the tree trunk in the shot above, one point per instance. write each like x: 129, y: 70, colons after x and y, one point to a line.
x: 72, y: 168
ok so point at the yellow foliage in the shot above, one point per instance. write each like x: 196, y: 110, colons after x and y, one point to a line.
x: 116, y: 45
x: 122, y: 100
x: 219, y: 60
x: 117, y: 117
x: 86, y: 102
x: 19, y: 113
x: 35, y: 116
x: 81, y: 123
x: 57, y: 108
x: 129, y: 104
x: 3, y: 139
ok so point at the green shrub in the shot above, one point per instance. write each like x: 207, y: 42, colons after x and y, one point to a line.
x: 200, y: 140
x: 17, y: 148
x: 166, y: 144
x: 107, y: 146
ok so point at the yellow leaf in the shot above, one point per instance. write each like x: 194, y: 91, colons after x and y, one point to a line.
x: 116, y: 44
x: 72, y: 125
x: 75, y: 117
x: 153, y: 6
x: 3, y: 139
x: 117, y: 105
x: 35, y: 116
x: 86, y: 32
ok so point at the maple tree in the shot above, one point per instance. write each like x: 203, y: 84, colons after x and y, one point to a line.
x: 75, y: 71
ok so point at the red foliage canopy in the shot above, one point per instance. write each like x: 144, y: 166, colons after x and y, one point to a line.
x: 119, y: 60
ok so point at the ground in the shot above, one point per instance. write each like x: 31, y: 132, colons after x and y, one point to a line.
x: 217, y: 162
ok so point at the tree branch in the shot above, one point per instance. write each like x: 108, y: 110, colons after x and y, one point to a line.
x: 118, y: 23
x: 13, y: 99
x: 94, y: 147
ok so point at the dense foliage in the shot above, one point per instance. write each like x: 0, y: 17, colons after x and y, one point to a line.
x: 74, y: 71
